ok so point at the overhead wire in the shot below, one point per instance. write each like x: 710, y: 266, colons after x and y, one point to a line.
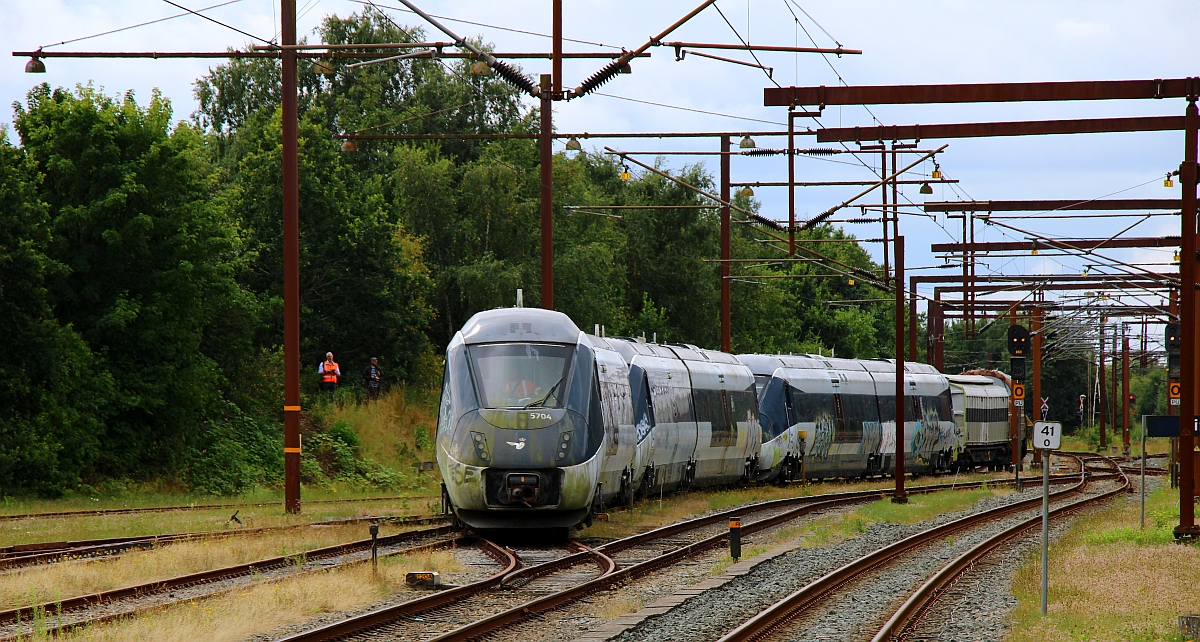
x: 140, y: 24
x: 744, y: 42
x: 692, y: 109
x: 497, y: 27
x: 218, y: 22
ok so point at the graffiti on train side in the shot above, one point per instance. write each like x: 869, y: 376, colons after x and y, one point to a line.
x: 822, y: 437
x: 872, y: 438
x: 927, y: 435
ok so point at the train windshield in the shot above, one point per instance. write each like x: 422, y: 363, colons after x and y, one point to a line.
x: 521, y: 375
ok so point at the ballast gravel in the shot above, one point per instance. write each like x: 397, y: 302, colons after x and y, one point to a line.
x: 845, y: 617
x: 977, y: 606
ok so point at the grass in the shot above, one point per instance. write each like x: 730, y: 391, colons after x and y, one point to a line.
x: 47, y: 529
x: 1088, y: 440
x: 831, y: 529
x: 263, y: 608
x: 1111, y: 579
x: 649, y: 514
x: 49, y: 583
x: 397, y: 430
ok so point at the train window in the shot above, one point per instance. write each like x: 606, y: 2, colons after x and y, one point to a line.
x: 856, y: 410
x: 773, y: 412
x: 712, y: 407
x: 887, y: 407
x: 938, y: 406
x: 760, y: 384
x: 521, y: 375
x: 643, y: 409
x: 910, y: 408
x: 810, y: 407
x: 744, y: 404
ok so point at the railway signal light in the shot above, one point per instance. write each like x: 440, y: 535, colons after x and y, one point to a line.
x: 1173, y: 348
x: 1132, y: 398
x: 1173, y: 343
x: 1018, y: 340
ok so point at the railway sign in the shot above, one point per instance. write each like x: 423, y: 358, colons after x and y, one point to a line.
x: 1047, y: 435
x: 1018, y: 394
x: 1173, y: 393
x: 1045, y: 408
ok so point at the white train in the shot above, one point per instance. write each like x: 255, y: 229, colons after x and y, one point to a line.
x: 541, y: 424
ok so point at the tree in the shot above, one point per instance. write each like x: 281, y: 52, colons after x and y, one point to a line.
x: 147, y: 263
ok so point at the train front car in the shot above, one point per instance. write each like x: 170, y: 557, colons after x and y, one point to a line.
x: 520, y: 424
x: 784, y: 431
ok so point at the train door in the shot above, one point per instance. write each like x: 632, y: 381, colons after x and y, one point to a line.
x: 643, y: 426
x: 815, y: 414
x: 674, y: 430
x: 856, y: 444
x: 616, y: 470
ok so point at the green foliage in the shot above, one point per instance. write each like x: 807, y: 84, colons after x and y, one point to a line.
x: 342, y: 431
x: 422, y: 439
x: 141, y: 266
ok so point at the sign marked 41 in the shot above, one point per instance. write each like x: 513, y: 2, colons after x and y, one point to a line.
x: 1047, y: 435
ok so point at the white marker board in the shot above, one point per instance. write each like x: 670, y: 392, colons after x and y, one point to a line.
x: 1047, y: 435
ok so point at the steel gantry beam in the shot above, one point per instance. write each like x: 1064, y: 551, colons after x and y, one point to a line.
x: 1091, y: 205
x: 1037, y: 244
x: 988, y: 130
x: 981, y: 92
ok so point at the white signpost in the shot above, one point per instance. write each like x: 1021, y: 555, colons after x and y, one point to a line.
x: 1047, y: 437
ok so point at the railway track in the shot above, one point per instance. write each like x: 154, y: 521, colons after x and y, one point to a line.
x: 107, y: 606
x: 25, y: 555
x: 190, y: 507
x: 440, y: 616
x: 819, y: 593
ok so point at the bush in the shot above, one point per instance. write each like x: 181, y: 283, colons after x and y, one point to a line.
x: 235, y: 453
x: 342, y: 431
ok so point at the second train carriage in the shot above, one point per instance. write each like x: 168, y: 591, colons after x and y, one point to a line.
x: 696, y: 412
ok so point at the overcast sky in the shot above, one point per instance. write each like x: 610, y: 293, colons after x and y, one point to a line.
x: 902, y: 43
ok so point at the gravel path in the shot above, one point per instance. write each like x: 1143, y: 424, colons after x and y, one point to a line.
x: 710, y: 615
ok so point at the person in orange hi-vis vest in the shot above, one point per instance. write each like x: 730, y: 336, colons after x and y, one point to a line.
x: 329, y: 372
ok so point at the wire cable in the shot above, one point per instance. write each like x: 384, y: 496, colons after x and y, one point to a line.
x: 218, y: 22
x: 140, y: 24
x: 699, y: 111
x: 489, y: 26
x: 744, y: 42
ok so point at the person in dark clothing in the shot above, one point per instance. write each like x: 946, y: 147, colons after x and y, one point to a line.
x: 373, y: 377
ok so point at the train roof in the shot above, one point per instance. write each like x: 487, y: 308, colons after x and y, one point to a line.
x: 977, y: 380
x: 763, y: 364
x: 520, y: 324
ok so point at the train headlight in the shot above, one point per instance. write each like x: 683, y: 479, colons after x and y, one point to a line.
x: 564, y: 444
x: 480, y: 443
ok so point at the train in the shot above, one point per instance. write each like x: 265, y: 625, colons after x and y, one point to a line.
x: 542, y: 425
